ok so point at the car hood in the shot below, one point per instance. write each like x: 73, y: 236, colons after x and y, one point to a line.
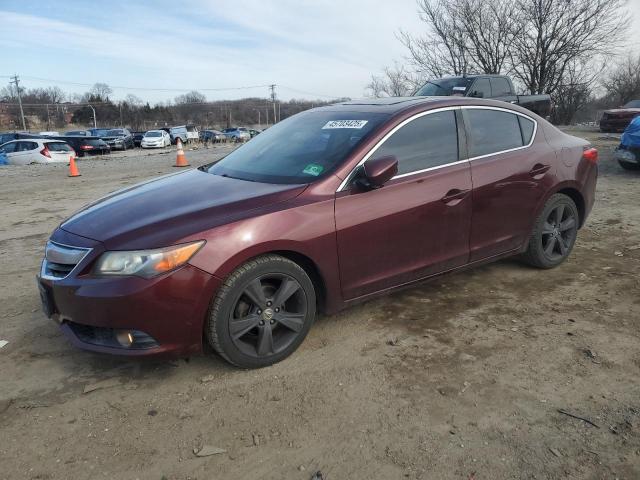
x: 630, y: 111
x: 165, y: 210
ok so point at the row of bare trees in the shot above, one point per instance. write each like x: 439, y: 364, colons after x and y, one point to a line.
x: 547, y: 46
x: 50, y: 108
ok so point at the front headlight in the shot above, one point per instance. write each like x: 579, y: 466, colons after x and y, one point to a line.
x: 146, y: 263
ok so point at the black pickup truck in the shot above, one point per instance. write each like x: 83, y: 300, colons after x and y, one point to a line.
x: 498, y: 87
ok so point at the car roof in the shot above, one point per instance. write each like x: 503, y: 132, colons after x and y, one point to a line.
x: 396, y: 105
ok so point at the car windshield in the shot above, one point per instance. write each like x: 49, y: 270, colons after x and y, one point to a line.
x: 632, y: 104
x: 300, y: 149
x: 100, y: 133
x: 445, y: 87
x: 153, y: 134
x: 113, y: 133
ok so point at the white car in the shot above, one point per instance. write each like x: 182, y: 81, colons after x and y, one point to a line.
x: 155, y: 139
x: 37, y: 150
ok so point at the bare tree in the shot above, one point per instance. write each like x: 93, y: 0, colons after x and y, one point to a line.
x: 555, y: 33
x: 462, y: 36
x: 191, y: 97
x: 442, y: 49
x: 100, y: 91
x: 396, y: 81
x: 575, y: 90
x: 623, y: 82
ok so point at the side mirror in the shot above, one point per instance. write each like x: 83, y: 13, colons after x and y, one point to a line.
x: 378, y: 171
x: 477, y: 94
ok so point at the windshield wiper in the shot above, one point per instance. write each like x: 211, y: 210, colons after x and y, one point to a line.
x: 238, y: 178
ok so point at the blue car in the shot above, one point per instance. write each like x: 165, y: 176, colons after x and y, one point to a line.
x: 628, y: 152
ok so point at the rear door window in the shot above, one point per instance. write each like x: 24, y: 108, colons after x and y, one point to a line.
x: 426, y: 142
x: 492, y: 131
x: 26, y: 146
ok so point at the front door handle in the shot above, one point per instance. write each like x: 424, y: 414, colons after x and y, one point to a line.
x: 454, y: 195
x: 539, y: 169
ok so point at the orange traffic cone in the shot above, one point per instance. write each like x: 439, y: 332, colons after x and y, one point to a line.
x: 181, y: 160
x: 73, y: 169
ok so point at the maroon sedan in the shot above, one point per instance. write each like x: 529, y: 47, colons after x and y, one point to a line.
x: 323, y: 210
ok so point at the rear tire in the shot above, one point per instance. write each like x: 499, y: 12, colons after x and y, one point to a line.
x: 629, y: 166
x: 554, y: 233
x: 262, y: 312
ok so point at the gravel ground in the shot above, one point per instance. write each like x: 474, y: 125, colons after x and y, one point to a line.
x: 460, y: 378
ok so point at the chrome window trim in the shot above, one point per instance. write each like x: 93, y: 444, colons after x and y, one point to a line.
x: 43, y: 273
x: 349, y: 177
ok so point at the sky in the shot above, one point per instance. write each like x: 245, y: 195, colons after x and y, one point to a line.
x: 320, y: 49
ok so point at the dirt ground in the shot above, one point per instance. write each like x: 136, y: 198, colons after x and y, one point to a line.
x: 460, y: 378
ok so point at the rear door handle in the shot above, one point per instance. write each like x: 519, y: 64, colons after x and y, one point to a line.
x: 539, y: 169
x: 454, y: 194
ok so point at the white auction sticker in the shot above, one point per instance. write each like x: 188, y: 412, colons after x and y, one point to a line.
x: 345, y: 124
x: 459, y: 89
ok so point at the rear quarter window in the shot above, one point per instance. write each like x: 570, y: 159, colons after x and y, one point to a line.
x: 492, y: 131
x: 526, y: 127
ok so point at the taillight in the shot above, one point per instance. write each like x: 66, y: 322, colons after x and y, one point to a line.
x: 590, y: 154
x: 45, y: 152
x: 86, y: 147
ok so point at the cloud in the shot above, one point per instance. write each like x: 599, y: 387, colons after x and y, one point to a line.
x: 325, y: 47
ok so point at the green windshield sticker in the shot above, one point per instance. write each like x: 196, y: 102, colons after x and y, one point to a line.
x: 313, y: 169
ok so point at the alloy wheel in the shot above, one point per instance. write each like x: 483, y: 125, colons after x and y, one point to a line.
x: 268, y: 315
x: 559, y: 232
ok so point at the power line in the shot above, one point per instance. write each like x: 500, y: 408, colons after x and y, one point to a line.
x: 149, y: 89
x: 310, y: 93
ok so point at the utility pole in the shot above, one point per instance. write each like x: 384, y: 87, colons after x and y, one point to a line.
x: 95, y: 122
x: 273, y: 100
x: 16, y: 80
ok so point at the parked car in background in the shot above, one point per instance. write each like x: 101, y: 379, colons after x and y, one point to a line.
x: 213, y: 136
x: 497, y: 87
x: 85, y: 145
x: 178, y: 132
x: 98, y: 132
x: 7, y: 137
x: 82, y: 133
x: 628, y: 152
x: 325, y: 209
x: 192, y: 133
x: 253, y: 132
x: 155, y: 139
x: 617, y: 119
x: 37, y: 150
x: 237, y: 134
x: 137, y: 138
x: 119, y: 139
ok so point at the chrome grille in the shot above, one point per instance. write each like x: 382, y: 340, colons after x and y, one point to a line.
x: 60, y: 260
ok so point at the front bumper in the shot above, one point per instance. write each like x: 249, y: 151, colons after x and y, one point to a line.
x: 166, y: 312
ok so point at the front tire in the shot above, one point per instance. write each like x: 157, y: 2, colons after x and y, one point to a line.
x: 554, y: 233
x: 262, y: 312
